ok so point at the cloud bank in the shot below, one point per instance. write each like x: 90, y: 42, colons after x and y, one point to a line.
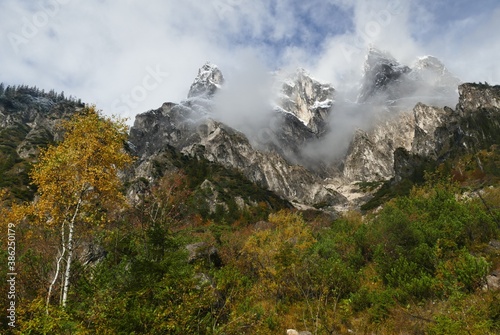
x: 130, y: 56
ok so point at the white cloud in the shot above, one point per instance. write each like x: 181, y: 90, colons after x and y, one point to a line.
x: 102, y: 50
x: 470, y: 47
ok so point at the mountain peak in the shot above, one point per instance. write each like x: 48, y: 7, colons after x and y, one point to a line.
x: 307, y: 99
x: 387, y: 79
x: 429, y: 61
x: 208, y: 80
x: 431, y: 70
x: 380, y: 71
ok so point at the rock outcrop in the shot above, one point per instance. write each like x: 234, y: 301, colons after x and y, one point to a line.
x: 371, y: 154
x: 28, y: 122
x: 441, y: 133
x: 207, y: 82
x: 295, y: 332
x: 307, y: 99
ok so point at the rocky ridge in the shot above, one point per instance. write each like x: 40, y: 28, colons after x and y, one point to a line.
x: 302, y: 115
x: 189, y: 129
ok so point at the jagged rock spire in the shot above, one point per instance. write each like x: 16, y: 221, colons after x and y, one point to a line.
x: 206, y: 83
x: 381, y: 71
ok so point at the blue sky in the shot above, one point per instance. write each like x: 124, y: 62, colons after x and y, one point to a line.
x: 130, y: 56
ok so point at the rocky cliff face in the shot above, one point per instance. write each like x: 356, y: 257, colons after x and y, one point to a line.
x: 34, y: 120
x: 193, y: 132
x: 371, y: 154
x: 394, y: 92
x: 428, y: 122
x: 477, y: 125
x: 441, y: 133
x: 307, y: 99
x: 475, y: 97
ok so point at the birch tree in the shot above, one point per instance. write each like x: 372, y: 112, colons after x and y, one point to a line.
x: 78, y: 184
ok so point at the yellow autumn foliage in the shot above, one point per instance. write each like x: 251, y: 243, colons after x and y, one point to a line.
x: 84, y: 166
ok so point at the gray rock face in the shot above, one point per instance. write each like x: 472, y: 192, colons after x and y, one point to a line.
x: 91, y: 253
x: 406, y: 164
x: 441, y: 133
x: 36, y: 118
x: 475, y: 97
x: 478, y: 124
x: 307, y: 99
x: 475, y: 123
x: 428, y: 120
x: 371, y: 154
x: 33, y: 115
x: 295, y: 332
x: 28, y: 122
x: 202, y: 251
x: 207, y: 82
x: 383, y: 74
x: 195, y: 134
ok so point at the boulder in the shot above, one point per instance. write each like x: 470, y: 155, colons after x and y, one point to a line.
x: 201, y: 251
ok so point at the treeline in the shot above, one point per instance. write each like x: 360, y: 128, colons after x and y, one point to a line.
x: 13, y: 91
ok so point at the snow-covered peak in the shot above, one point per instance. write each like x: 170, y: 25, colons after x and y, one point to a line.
x: 306, y: 98
x: 208, y: 80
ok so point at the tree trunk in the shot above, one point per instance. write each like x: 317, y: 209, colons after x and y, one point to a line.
x: 70, y: 247
x: 58, y: 267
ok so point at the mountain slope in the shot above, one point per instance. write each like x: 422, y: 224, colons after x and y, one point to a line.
x: 28, y: 119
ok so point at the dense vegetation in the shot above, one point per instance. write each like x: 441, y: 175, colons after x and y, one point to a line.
x: 169, y: 264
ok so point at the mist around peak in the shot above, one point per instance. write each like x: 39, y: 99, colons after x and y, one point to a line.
x: 386, y: 89
x: 308, y: 121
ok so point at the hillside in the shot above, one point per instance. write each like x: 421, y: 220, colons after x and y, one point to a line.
x: 28, y: 117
